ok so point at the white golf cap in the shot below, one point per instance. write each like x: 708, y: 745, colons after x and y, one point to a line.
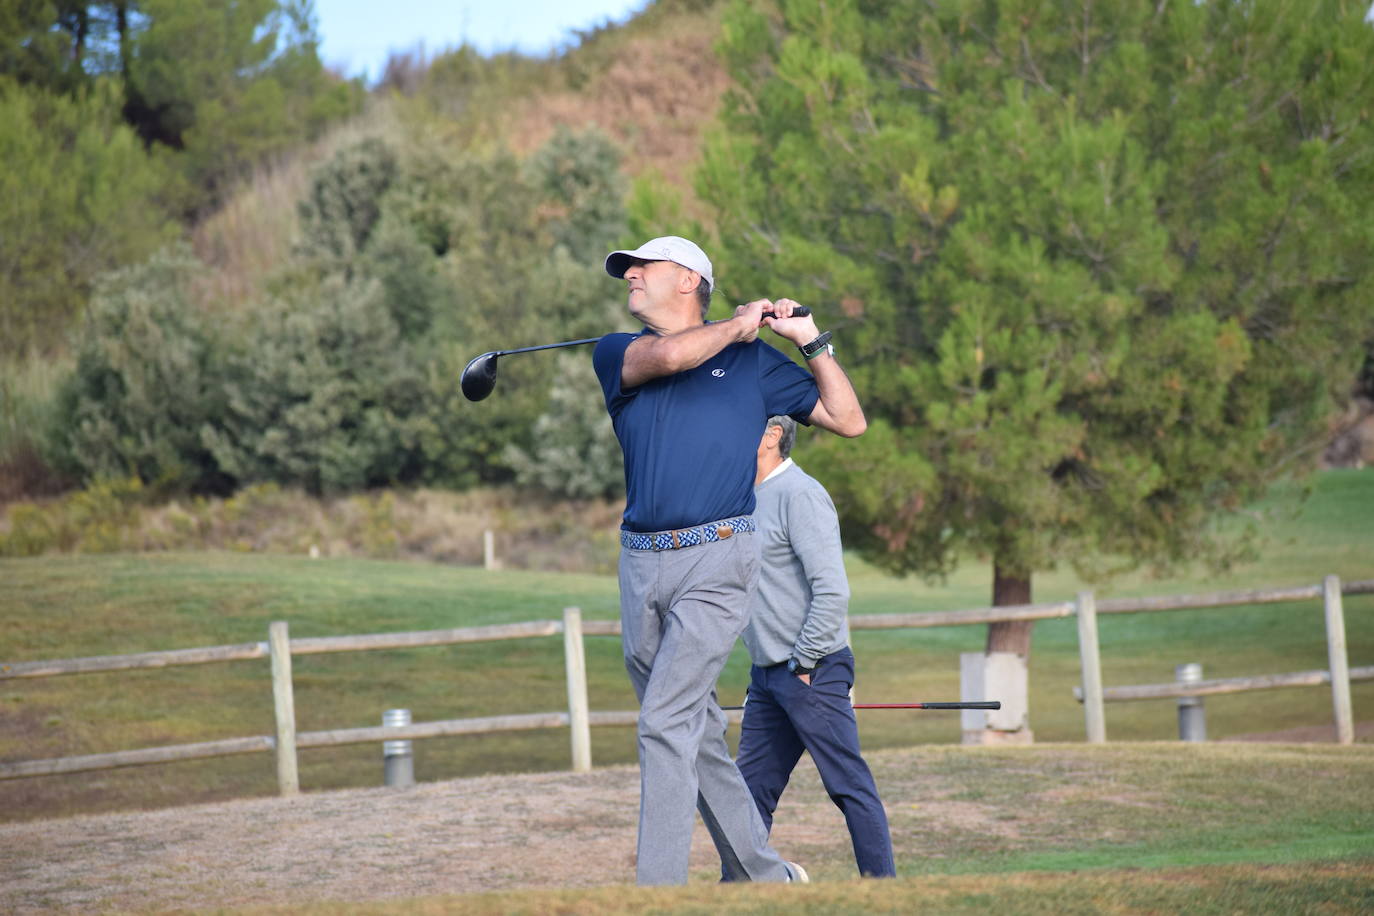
x: 668, y: 248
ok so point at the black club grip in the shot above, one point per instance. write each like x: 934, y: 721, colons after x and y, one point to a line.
x: 800, y: 311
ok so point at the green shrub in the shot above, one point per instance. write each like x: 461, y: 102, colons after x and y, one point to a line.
x: 344, y: 203
x: 322, y: 395
x: 81, y: 197
x: 146, y: 379
x: 31, y: 532
x: 103, y: 518
x: 578, y: 175
x: 28, y: 397
x: 105, y: 515
x: 574, y: 452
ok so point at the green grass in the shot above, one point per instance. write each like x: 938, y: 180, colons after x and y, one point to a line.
x: 69, y: 606
x: 1334, y: 888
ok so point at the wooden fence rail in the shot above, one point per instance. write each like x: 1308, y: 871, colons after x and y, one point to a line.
x: 1093, y: 695
x: 279, y: 648
x: 1215, y: 686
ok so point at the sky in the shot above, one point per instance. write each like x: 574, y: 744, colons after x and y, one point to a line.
x: 356, y: 36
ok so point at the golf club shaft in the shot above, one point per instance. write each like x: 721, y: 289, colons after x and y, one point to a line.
x: 566, y: 343
x: 800, y: 311
x: 977, y: 704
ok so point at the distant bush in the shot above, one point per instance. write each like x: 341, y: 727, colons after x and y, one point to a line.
x: 146, y: 379
x: 81, y: 197
x: 347, y: 376
x: 574, y: 452
x: 344, y: 203
x: 102, y: 518
x: 321, y: 395
x: 578, y: 175
x: 28, y: 390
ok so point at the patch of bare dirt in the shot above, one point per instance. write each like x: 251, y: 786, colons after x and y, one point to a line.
x: 550, y: 830
x: 490, y: 833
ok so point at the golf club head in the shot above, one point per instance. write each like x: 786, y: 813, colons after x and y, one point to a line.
x: 479, y: 378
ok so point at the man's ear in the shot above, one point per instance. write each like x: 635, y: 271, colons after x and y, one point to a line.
x: 689, y: 282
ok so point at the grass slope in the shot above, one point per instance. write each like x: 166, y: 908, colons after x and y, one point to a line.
x: 67, y: 606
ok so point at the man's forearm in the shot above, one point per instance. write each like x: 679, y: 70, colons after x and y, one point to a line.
x: 649, y: 357
x: 838, y: 406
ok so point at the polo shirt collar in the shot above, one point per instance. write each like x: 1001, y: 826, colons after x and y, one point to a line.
x: 786, y: 463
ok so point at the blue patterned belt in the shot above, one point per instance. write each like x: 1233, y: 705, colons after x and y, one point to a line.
x: 687, y: 537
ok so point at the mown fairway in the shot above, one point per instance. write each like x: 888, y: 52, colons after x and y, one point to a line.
x: 58, y: 607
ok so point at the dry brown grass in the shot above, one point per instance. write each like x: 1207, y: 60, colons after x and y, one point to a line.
x: 574, y: 835
x: 251, y: 236
x: 529, y: 531
x: 656, y: 100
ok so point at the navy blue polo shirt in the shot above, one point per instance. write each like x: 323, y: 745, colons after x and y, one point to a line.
x: 691, y: 439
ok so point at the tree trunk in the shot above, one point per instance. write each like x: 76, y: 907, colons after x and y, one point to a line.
x: 1002, y: 673
x: 1010, y: 588
x: 122, y: 26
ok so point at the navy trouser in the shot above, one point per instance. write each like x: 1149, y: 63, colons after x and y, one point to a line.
x: 782, y: 717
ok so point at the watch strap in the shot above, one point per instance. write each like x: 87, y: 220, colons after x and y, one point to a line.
x: 816, y: 346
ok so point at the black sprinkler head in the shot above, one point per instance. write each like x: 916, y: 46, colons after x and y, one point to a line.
x: 479, y: 378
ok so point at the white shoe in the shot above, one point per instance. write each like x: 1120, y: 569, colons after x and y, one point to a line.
x: 798, y: 874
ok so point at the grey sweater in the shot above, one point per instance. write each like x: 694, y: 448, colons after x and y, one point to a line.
x: 802, y: 601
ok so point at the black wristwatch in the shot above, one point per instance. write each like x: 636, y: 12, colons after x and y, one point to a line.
x: 820, y: 345
x: 796, y: 667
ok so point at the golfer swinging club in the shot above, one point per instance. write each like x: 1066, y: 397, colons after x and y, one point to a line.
x: 689, y: 400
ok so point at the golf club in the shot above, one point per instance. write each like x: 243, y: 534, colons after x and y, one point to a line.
x: 976, y: 704
x: 479, y: 376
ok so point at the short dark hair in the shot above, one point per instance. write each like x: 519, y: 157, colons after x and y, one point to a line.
x: 704, y: 297
x: 789, y: 434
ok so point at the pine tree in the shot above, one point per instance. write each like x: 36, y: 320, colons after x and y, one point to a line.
x: 1098, y: 269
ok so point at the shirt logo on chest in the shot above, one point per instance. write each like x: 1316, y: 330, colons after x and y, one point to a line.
x: 718, y: 373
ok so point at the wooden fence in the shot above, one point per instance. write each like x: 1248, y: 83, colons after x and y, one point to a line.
x: 579, y: 719
x: 1339, y: 675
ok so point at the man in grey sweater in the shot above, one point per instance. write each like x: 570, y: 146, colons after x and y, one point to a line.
x: 798, y: 640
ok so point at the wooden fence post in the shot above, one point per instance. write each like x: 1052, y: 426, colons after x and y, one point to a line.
x: 284, y: 705
x: 1095, y: 716
x: 575, y: 663
x: 1338, y: 662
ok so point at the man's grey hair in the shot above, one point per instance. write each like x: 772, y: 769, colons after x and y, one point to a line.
x: 789, y: 434
x: 704, y: 297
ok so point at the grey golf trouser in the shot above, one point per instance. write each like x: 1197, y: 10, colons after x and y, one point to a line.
x: 681, y: 611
